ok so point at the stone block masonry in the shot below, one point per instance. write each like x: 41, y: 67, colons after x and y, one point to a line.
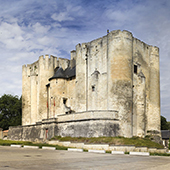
x: 109, y: 87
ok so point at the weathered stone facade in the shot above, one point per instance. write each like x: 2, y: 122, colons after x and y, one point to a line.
x: 110, y: 87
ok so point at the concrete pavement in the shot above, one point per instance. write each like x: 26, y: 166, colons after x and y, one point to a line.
x: 40, y: 159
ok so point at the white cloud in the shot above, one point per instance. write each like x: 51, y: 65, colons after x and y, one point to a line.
x: 32, y: 28
x: 40, y: 29
x: 21, y: 56
x: 62, y: 16
x: 9, y: 30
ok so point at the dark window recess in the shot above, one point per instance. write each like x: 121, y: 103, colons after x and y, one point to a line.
x: 93, y: 88
x: 64, y: 101
x: 46, y: 133
x: 135, y: 69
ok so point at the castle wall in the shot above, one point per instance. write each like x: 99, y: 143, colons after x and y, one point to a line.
x: 81, y: 80
x: 139, y: 107
x: 154, y: 92
x: 120, y: 78
x: 107, y: 75
x: 89, y: 128
x: 37, y: 132
x: 140, y: 87
x: 33, y: 99
x: 105, y: 79
x: 26, y: 102
x: 97, y: 75
x: 71, y: 91
x: 46, y: 70
x: 146, y: 90
x: 114, y: 73
x: 58, y: 92
x: 35, y: 78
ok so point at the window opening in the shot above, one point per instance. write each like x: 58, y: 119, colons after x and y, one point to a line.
x: 64, y: 101
x: 46, y: 133
x: 135, y: 69
x: 48, y: 100
x: 93, y: 88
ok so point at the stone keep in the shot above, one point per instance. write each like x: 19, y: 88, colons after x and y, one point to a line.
x: 110, y: 87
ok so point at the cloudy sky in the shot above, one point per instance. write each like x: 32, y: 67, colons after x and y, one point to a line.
x: 30, y: 28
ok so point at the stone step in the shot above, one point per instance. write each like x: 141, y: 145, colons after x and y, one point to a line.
x: 48, y: 148
x: 74, y: 149
x: 97, y: 151
x: 139, y: 153
x: 118, y: 152
x: 16, y: 146
x: 31, y: 147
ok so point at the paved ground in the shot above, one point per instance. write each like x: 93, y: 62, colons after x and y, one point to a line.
x: 38, y: 159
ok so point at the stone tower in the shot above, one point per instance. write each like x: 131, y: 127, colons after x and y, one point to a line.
x: 109, y: 87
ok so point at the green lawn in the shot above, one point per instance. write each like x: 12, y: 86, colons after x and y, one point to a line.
x: 160, y: 154
x: 9, y: 142
x: 136, y: 141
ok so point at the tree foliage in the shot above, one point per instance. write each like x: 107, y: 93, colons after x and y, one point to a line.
x: 164, y: 123
x: 10, y: 111
x: 168, y: 125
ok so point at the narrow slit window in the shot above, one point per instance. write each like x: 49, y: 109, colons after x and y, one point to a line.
x: 135, y: 69
x: 93, y: 88
x: 64, y: 101
x: 46, y: 133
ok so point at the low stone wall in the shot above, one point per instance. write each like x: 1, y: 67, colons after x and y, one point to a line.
x: 89, y: 128
x: 84, y: 124
x: 15, y: 133
x: 38, y: 132
x: 121, y: 148
x: 107, y: 147
x: 89, y: 115
x: 96, y: 147
x: 49, y: 128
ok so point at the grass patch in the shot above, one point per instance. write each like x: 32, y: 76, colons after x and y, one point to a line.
x: 108, y: 151
x: 126, y: 152
x: 85, y: 150
x: 61, y: 147
x: 160, y: 154
x: 122, y: 140
x: 10, y: 142
x: 40, y: 145
x: 136, y: 141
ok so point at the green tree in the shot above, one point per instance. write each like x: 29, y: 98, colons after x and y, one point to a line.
x: 168, y: 125
x: 10, y: 111
x: 164, y: 123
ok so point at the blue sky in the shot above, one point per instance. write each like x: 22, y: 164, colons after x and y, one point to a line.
x: 31, y: 28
